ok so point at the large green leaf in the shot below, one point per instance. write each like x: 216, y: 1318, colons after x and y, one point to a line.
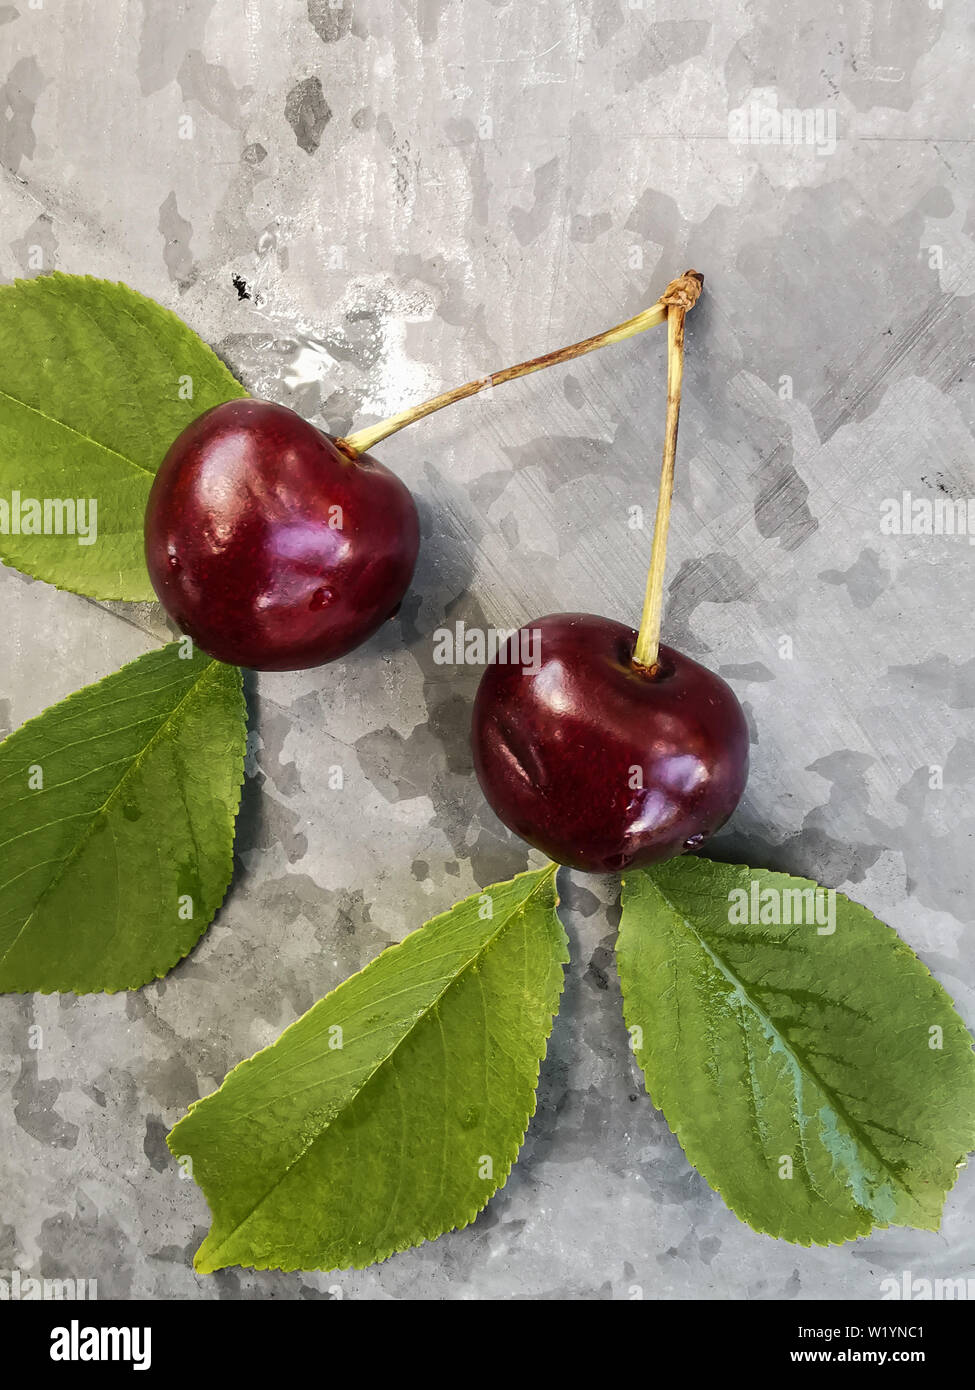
x: 96, y: 382
x: 117, y: 811
x: 820, y: 1080
x: 393, y: 1109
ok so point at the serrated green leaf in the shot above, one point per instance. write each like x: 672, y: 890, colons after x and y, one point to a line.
x: 801, y: 1069
x: 393, y: 1109
x: 117, y: 810
x: 93, y: 380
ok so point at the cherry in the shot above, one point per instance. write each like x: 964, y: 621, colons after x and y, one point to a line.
x: 598, y: 762
x: 271, y: 544
x: 592, y: 741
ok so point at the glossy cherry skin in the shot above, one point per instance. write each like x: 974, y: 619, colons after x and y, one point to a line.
x: 593, y: 761
x: 269, y: 546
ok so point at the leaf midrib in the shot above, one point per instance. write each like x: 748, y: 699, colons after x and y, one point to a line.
x: 454, y: 979
x: 797, y: 1056
x: 79, y: 434
x: 134, y: 764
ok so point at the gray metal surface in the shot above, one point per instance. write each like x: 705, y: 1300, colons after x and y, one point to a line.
x: 411, y: 195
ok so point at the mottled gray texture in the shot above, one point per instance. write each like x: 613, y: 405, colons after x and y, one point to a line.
x: 409, y: 196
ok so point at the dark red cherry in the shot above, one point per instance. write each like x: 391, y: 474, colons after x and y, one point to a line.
x: 269, y: 545
x: 594, y: 761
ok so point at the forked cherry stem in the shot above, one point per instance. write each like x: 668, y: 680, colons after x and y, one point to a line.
x: 686, y: 290
x: 679, y: 296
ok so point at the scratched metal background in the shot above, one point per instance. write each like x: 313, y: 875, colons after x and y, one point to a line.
x: 408, y: 195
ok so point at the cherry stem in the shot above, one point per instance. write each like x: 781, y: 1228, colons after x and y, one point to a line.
x: 678, y: 301
x: 686, y: 289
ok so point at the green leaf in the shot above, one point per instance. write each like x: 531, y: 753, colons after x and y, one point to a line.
x: 117, y: 811
x: 393, y: 1109
x: 92, y: 380
x: 784, y: 1047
